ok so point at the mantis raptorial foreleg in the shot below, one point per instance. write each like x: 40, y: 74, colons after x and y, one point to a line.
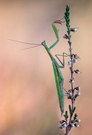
x: 55, y: 43
x: 57, y: 36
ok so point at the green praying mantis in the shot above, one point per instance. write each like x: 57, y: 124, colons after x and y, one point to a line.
x: 59, y: 79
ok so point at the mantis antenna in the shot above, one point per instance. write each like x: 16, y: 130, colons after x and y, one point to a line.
x: 34, y: 45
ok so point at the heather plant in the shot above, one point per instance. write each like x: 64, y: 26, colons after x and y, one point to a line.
x: 70, y: 116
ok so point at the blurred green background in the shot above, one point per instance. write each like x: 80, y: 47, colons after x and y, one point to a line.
x: 28, y: 97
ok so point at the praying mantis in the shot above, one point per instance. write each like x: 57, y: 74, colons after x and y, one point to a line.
x: 59, y: 79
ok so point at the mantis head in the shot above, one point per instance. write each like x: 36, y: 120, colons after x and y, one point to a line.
x: 60, y: 21
x: 44, y: 43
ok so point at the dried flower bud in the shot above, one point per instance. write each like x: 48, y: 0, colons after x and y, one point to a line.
x: 78, y: 93
x: 62, y: 124
x: 69, y: 94
x: 77, y: 88
x: 72, y: 125
x: 78, y: 120
x: 66, y: 36
x: 70, y: 91
x: 77, y: 71
x: 72, y: 80
x: 73, y: 29
x: 72, y: 121
x: 69, y: 63
x: 76, y: 125
x: 65, y: 125
x: 75, y: 56
x: 62, y: 121
x: 74, y: 60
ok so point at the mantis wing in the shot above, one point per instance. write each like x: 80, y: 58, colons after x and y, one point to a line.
x: 59, y: 85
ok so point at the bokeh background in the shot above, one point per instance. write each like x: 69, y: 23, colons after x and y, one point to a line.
x: 28, y: 97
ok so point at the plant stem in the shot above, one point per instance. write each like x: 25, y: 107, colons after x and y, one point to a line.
x: 68, y: 128
x: 71, y: 120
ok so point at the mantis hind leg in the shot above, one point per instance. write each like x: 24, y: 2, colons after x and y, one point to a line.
x: 64, y: 55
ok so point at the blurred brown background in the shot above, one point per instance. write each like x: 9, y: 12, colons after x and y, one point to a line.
x: 28, y: 97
